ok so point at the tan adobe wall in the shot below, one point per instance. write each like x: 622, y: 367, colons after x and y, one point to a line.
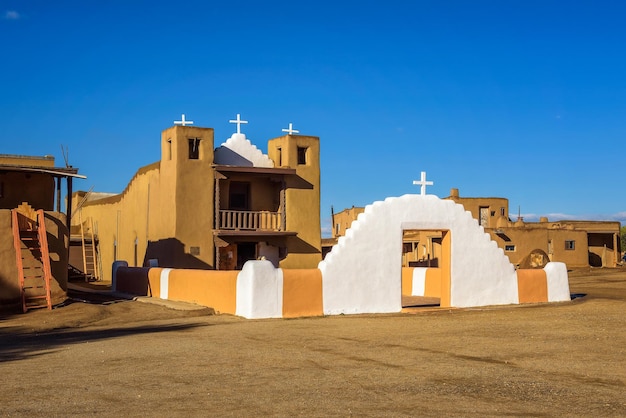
x: 302, y: 198
x: 125, y: 224
x: 165, y: 213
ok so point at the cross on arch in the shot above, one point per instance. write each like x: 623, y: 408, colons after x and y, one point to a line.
x: 290, y: 130
x: 238, y: 121
x: 183, y: 122
x: 423, y: 183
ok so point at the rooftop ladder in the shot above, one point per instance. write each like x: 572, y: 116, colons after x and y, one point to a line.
x: 90, y: 251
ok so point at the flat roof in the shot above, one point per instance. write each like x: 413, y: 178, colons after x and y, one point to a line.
x: 54, y: 171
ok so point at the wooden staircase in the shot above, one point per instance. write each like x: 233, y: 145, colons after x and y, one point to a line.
x: 33, y: 259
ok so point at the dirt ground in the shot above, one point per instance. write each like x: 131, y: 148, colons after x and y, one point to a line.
x: 127, y: 358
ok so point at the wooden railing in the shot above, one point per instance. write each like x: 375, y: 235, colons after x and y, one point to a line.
x: 250, y: 220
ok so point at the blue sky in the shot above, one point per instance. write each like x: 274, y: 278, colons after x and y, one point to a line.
x: 523, y: 100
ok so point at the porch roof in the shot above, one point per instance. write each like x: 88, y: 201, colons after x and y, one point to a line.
x: 225, y: 169
x: 54, y: 171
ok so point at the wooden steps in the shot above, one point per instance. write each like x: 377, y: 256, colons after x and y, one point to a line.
x: 32, y: 257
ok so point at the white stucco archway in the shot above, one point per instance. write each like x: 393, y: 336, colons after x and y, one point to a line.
x: 361, y: 272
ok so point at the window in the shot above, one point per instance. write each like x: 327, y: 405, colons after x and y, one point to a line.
x: 194, y: 148
x: 280, y: 157
x: 337, y: 229
x: 302, y: 155
x: 570, y: 244
x: 501, y: 211
x: 169, y: 149
x: 509, y: 248
x: 239, y: 196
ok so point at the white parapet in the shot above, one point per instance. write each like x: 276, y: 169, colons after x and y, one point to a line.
x: 558, y: 282
x: 260, y: 290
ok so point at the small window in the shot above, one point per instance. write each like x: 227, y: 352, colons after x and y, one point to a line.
x: 302, y: 155
x: 493, y: 213
x: 280, y: 157
x: 570, y: 244
x: 194, y: 148
x: 169, y: 149
x: 501, y: 211
x: 509, y: 248
x: 337, y: 229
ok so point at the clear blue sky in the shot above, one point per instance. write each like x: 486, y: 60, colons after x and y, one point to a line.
x: 523, y: 100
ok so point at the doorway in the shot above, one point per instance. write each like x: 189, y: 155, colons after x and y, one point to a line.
x: 245, y: 251
x: 425, y: 268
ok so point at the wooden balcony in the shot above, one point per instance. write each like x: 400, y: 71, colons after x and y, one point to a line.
x: 245, y: 220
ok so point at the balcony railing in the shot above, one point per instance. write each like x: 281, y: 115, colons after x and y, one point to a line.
x: 250, y: 220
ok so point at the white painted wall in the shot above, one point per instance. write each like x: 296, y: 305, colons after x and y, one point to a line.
x: 259, y: 290
x: 418, y: 287
x: 362, y: 273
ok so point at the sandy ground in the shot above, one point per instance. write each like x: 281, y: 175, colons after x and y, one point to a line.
x: 127, y: 358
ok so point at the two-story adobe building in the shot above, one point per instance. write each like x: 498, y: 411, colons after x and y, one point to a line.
x: 208, y: 207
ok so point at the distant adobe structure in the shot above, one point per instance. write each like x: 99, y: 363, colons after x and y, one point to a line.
x: 527, y: 244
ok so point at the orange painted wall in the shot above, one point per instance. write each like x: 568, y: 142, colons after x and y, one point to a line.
x: 532, y: 286
x: 217, y: 289
x: 154, y: 282
x: 433, y: 283
x: 407, y: 280
x: 446, y: 274
x: 302, y: 293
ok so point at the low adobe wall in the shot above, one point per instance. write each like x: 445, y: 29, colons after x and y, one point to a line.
x: 262, y: 291
x: 549, y: 284
x: 258, y: 291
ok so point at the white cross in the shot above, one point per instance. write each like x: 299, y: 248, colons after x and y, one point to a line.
x: 422, y: 182
x: 183, y: 122
x: 238, y: 121
x: 290, y: 130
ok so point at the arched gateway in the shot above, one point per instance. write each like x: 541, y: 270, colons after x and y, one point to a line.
x: 362, y: 272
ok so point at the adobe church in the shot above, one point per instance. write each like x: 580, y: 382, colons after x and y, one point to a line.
x: 207, y: 207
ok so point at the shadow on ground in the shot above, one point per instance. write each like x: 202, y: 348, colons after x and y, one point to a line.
x: 22, y: 344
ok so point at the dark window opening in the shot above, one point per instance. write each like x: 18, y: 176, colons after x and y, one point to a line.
x: 302, y: 155
x: 570, y: 244
x: 239, y: 196
x: 194, y: 148
x: 280, y: 157
x: 509, y: 248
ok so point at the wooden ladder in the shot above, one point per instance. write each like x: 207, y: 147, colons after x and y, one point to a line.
x: 32, y: 256
x: 90, y: 252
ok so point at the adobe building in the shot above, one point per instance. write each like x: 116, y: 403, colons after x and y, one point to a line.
x: 33, y: 183
x: 207, y: 207
x: 527, y: 244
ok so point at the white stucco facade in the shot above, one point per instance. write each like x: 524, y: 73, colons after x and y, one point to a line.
x: 362, y: 273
